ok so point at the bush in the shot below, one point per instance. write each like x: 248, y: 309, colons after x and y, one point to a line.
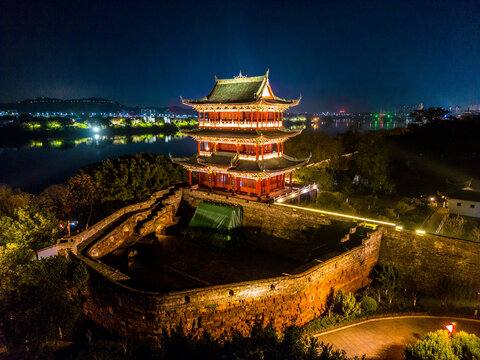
x: 466, y: 346
x: 440, y: 345
x: 345, y: 304
x: 369, y: 304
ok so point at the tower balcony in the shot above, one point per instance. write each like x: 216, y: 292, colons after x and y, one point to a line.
x: 240, y: 125
x: 244, y: 156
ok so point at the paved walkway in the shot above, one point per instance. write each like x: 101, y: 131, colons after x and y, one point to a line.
x: 386, y: 338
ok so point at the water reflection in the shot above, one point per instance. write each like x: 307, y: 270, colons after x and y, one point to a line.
x: 99, y: 141
x: 338, y: 126
x: 36, y: 164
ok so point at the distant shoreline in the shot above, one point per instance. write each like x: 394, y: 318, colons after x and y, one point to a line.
x: 13, y: 136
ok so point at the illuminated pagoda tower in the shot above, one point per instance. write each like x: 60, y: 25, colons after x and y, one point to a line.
x: 240, y: 138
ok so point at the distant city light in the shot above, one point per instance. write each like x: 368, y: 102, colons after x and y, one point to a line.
x: 96, y: 129
x: 96, y: 136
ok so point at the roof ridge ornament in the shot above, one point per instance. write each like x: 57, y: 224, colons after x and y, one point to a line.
x: 240, y: 76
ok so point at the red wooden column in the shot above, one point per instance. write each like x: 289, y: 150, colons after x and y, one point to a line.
x: 198, y: 147
x: 259, y: 187
x: 291, y: 179
x: 210, y: 181
x: 199, y: 118
x: 278, y: 149
x: 203, y: 117
x: 257, y: 116
x: 282, y: 117
x: 262, y: 150
x: 256, y: 152
x: 189, y: 177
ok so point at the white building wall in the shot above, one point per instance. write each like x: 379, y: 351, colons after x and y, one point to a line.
x: 464, y: 207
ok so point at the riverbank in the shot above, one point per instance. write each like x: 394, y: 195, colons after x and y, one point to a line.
x: 14, y: 136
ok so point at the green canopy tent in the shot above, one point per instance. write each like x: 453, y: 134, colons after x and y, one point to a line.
x: 215, y: 222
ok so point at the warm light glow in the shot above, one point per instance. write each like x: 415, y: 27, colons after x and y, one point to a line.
x: 398, y: 227
x: 337, y: 214
x: 420, y: 232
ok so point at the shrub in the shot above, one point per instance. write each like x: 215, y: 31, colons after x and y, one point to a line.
x: 345, y: 304
x: 369, y: 304
x: 466, y: 346
x: 440, y: 345
x: 435, y: 346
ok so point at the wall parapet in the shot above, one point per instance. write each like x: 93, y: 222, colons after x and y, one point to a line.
x: 285, y: 300
x: 71, y: 244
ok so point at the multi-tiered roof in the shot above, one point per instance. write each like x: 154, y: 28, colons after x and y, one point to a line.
x: 240, y: 127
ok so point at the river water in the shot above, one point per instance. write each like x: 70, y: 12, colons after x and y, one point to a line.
x: 45, y: 162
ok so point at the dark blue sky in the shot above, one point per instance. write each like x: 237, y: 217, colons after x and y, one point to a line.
x: 357, y: 55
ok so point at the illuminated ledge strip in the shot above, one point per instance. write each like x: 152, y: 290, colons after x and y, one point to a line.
x: 336, y: 214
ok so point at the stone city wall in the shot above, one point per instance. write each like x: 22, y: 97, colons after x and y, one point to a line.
x: 273, y: 221
x: 431, y: 258
x: 71, y: 244
x: 153, y: 218
x: 284, y: 301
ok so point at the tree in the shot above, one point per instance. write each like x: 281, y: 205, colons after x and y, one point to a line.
x: 320, y: 175
x: 345, y: 304
x: 40, y: 300
x: 134, y: 177
x: 429, y: 115
x: 387, y: 277
x: 10, y: 200
x: 80, y: 196
x: 29, y: 225
x: 372, y: 163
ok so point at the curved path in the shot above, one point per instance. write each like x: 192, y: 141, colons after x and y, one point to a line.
x: 386, y: 338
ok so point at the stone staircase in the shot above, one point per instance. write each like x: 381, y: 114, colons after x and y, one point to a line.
x: 163, y: 211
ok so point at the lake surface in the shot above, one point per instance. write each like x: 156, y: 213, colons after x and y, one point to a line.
x: 45, y: 162
x: 50, y: 162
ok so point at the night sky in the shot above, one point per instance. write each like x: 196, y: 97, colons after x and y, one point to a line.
x: 352, y: 55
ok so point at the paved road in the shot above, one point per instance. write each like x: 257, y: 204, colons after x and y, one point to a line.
x: 386, y: 338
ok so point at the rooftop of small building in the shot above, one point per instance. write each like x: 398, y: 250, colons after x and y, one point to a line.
x: 467, y: 194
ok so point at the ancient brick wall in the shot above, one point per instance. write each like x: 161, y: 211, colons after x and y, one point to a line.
x: 284, y: 300
x: 430, y: 258
x: 163, y: 217
x: 271, y: 220
x: 71, y: 244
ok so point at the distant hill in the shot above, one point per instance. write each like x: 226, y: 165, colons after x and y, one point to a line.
x: 84, y: 105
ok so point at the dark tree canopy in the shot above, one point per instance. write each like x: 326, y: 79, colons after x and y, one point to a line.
x: 134, y: 177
